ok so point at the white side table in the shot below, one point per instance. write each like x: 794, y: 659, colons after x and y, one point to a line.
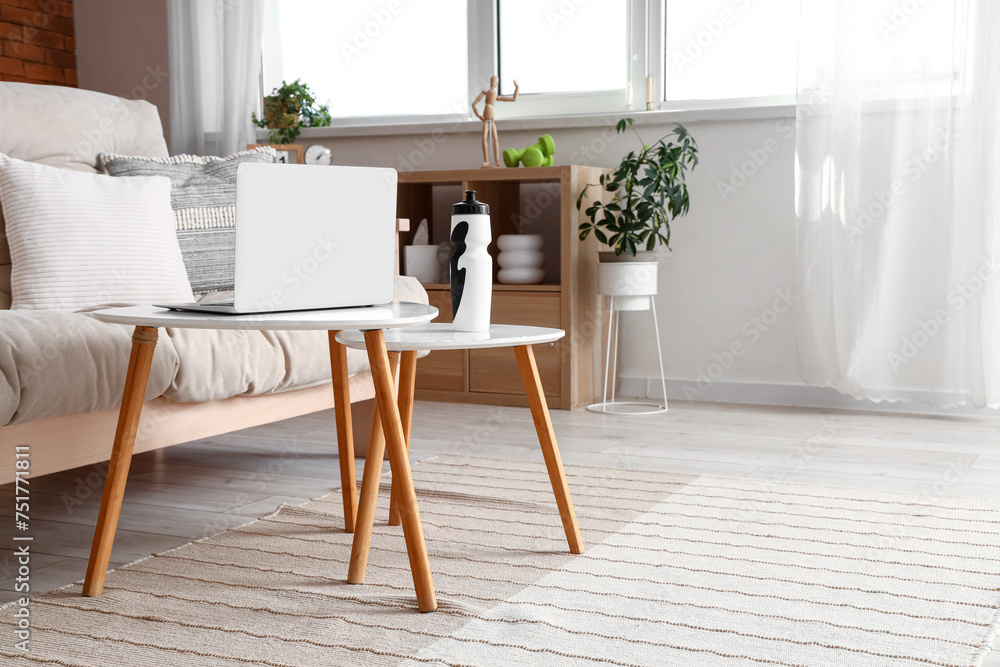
x: 371, y: 320
x: 436, y: 336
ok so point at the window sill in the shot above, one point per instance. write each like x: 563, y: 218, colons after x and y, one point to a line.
x: 454, y: 125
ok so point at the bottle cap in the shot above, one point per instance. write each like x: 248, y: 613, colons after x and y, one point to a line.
x: 470, y: 206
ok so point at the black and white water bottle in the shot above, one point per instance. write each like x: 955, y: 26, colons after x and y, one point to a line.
x: 471, y: 265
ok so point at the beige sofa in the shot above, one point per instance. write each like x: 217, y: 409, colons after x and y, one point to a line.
x: 62, y: 373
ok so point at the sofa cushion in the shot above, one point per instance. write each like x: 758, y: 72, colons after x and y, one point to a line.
x: 4, y: 287
x: 68, y: 128
x: 81, y: 239
x: 57, y: 363
x: 204, y: 202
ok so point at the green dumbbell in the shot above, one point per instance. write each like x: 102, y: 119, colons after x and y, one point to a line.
x: 537, y: 155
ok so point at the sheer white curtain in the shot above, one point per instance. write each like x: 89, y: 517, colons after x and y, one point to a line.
x: 897, y: 183
x: 215, y: 48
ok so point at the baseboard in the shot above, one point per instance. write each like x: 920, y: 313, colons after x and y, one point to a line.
x: 796, y: 395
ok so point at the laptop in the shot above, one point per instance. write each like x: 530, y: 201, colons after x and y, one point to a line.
x: 310, y: 237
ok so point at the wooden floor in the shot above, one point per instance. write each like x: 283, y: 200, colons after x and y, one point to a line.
x: 190, y: 491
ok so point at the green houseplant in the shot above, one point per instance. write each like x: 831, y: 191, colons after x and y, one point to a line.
x: 290, y: 108
x: 648, y: 190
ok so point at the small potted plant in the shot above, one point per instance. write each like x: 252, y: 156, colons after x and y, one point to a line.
x: 649, y: 191
x: 290, y: 108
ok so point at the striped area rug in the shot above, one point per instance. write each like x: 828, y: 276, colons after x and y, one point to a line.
x: 679, y: 570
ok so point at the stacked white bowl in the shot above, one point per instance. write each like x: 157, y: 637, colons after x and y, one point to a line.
x: 521, y: 259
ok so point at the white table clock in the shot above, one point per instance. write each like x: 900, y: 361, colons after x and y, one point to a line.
x: 317, y: 154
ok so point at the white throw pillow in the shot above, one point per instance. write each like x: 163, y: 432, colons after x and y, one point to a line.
x: 79, y: 239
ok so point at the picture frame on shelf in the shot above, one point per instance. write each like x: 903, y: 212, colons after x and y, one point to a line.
x: 287, y: 153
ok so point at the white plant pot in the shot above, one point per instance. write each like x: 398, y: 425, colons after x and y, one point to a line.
x: 630, y: 283
x: 422, y: 262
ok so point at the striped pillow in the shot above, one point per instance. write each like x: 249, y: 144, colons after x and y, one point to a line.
x: 79, y: 239
x: 204, y: 203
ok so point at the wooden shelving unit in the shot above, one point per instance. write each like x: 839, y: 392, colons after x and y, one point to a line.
x: 568, y: 300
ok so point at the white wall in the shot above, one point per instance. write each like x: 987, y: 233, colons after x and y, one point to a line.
x: 732, y: 255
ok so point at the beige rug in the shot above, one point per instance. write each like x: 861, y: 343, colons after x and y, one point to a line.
x: 679, y: 570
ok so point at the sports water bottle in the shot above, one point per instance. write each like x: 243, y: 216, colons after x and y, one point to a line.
x: 471, y: 265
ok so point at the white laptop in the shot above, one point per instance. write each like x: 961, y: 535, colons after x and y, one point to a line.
x: 310, y: 237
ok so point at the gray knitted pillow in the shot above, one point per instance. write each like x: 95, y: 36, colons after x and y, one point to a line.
x: 203, y: 196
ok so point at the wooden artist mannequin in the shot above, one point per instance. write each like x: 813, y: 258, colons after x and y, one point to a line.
x: 489, y: 127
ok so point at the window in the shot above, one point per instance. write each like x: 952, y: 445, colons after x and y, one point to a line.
x: 372, y: 57
x: 901, y: 50
x: 563, y: 47
x: 730, y: 49
x: 716, y: 50
x: 395, y: 59
x: 410, y: 59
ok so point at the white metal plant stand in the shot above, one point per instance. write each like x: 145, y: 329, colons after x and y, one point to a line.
x: 609, y: 404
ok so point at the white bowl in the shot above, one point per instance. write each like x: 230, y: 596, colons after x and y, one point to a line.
x: 521, y: 259
x: 521, y: 276
x: 520, y: 242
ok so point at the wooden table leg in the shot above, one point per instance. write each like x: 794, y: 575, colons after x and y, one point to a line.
x: 143, y: 345
x: 547, y: 439
x: 369, y: 494
x: 345, y: 430
x: 402, y: 478
x: 407, y: 386
x: 369, y: 497
x: 376, y: 428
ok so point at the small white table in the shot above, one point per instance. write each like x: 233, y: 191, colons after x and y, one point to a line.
x: 370, y: 320
x: 437, y: 336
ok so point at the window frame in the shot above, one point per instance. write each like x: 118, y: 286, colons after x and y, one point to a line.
x: 537, y: 105
x: 657, y: 68
x: 646, y: 55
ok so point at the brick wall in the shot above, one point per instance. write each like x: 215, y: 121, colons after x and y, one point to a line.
x: 36, y: 41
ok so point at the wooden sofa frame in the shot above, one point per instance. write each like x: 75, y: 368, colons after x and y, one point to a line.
x: 70, y: 441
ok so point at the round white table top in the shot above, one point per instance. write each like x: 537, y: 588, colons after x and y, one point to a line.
x: 385, y: 316
x: 442, y: 336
